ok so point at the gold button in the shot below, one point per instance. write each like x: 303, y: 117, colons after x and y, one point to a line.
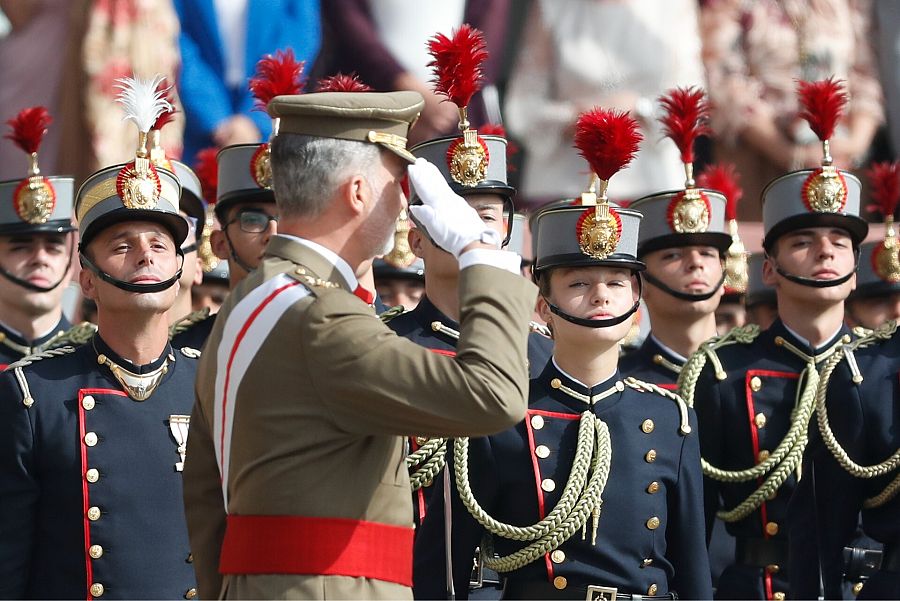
x: 653, y: 487
x: 28, y: 401
x: 191, y: 593
x: 537, y: 422
x: 646, y: 563
x: 557, y: 556
x: 542, y: 451
x: 93, y: 514
x: 420, y: 440
x: 560, y: 582
x: 755, y: 384
x: 555, y: 383
x: 548, y: 485
x: 647, y: 426
x: 650, y: 457
x: 760, y: 420
x: 90, y: 439
x: 95, y: 551
x: 771, y: 528
x: 92, y: 475
x: 652, y: 590
x: 96, y: 590
x: 653, y: 523
x: 779, y: 596
x: 857, y: 588
x: 88, y: 402
x: 763, y: 455
x: 773, y: 568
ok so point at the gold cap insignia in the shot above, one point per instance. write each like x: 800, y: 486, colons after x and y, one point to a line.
x: 138, y: 184
x: 261, y: 167
x: 825, y: 191
x: 886, y: 262
x: 689, y: 212
x: 599, y: 229
x: 34, y: 199
x: 468, y: 159
x: 737, y: 274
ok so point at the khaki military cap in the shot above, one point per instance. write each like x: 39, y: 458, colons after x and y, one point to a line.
x: 382, y: 118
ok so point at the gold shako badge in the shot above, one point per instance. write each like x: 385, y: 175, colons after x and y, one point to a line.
x: 34, y: 198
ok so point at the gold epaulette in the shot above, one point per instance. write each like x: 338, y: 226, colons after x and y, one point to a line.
x: 74, y: 336
x: 391, y: 313
x: 860, y: 331
x: 16, y: 368
x: 187, y: 321
x: 687, y: 379
x: 309, y: 279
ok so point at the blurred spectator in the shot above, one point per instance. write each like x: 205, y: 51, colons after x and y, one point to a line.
x: 755, y: 52
x: 32, y: 69
x: 619, y: 54
x: 384, y: 42
x: 887, y: 17
x: 221, y: 41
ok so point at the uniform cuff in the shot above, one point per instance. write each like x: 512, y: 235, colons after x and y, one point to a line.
x: 502, y: 259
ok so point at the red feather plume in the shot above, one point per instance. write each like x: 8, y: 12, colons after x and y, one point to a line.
x: 207, y: 169
x: 822, y: 104
x: 457, y: 63
x: 725, y: 179
x: 277, y: 75
x: 342, y: 83
x: 29, y: 127
x: 495, y: 129
x: 607, y: 139
x: 165, y: 117
x: 685, y: 119
x: 884, y: 186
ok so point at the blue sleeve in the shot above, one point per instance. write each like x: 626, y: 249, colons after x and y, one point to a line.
x: 19, y: 490
x: 201, y: 89
x: 685, y: 541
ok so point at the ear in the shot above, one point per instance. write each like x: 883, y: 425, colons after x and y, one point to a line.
x: 198, y: 274
x: 356, y: 193
x: 219, y: 244
x: 543, y: 309
x: 769, y: 278
x: 417, y: 242
x: 88, y: 284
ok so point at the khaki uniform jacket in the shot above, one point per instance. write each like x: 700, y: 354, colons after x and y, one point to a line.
x: 323, y: 409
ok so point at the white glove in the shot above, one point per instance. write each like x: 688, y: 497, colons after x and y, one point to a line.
x: 449, y: 220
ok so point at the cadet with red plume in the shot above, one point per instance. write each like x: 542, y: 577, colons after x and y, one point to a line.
x: 597, y: 493
x: 754, y: 390
x: 36, y: 244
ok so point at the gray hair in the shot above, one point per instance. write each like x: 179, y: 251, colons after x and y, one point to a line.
x: 306, y: 170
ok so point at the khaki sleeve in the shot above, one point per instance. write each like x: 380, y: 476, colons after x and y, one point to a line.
x: 203, y: 502
x: 374, y: 382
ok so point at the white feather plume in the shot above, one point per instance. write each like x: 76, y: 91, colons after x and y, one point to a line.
x: 143, y: 101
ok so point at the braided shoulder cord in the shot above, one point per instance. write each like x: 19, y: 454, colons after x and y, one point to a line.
x: 690, y: 373
x: 426, y: 462
x: 580, y: 499
x: 641, y: 386
x: 27, y: 399
x: 831, y: 442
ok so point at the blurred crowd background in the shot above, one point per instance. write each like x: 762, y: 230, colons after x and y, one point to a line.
x: 550, y: 60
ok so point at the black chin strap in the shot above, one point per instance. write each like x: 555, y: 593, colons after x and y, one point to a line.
x: 128, y: 286
x: 685, y: 296
x: 234, y: 255
x: 600, y: 323
x: 812, y: 282
x: 189, y: 248
x: 34, y: 287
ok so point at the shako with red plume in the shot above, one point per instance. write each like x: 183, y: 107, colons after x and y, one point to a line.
x: 342, y: 83
x: 456, y: 64
x: 206, y: 167
x: 822, y: 105
x: 685, y: 118
x: 608, y: 140
x: 884, y: 188
x: 723, y: 177
x: 34, y: 197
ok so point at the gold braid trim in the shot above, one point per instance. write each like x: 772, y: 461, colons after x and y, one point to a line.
x: 890, y: 464
x: 76, y: 335
x: 388, y: 315
x: 581, y: 499
x: 426, y: 462
x: 180, y: 325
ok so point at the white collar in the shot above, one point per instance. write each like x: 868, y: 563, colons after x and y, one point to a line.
x: 667, y: 349
x: 332, y: 257
x: 807, y: 342
x: 576, y: 380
